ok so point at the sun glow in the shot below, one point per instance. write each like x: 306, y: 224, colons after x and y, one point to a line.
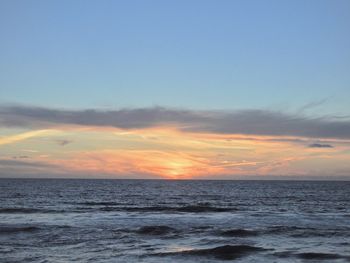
x: 165, y: 152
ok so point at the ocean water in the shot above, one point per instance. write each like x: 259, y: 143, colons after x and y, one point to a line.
x: 47, y: 220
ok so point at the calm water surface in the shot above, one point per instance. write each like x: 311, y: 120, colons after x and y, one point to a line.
x: 173, y: 221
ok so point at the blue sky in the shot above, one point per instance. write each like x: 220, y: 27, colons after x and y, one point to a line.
x: 187, y: 54
x: 175, y: 89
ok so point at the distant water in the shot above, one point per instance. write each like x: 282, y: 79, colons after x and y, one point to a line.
x: 174, y: 221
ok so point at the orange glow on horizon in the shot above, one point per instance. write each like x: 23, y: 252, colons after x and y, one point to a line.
x: 167, y: 152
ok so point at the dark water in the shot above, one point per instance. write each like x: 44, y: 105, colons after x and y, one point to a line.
x: 174, y: 221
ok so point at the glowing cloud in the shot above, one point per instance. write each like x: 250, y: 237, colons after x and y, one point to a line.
x: 161, y: 143
x: 23, y: 136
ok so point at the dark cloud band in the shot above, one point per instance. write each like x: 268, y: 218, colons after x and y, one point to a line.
x: 253, y: 122
x: 320, y: 145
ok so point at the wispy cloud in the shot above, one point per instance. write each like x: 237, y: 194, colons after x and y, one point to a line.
x: 251, y: 122
x: 20, y: 157
x: 313, y: 105
x: 63, y: 142
x: 18, y: 163
x: 319, y: 145
x: 22, y: 136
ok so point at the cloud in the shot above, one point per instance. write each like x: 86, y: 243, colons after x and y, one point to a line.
x: 10, y: 168
x: 313, y: 104
x: 22, y: 136
x: 20, y: 157
x: 26, y: 164
x: 63, y: 142
x: 30, y: 151
x: 250, y: 122
x: 319, y: 145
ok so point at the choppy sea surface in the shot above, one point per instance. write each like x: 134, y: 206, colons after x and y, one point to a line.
x: 49, y: 220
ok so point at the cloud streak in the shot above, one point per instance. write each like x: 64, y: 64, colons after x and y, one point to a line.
x: 17, y: 163
x: 320, y: 145
x: 22, y: 136
x: 63, y: 142
x: 251, y: 122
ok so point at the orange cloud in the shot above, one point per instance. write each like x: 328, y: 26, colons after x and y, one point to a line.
x: 172, y: 165
x: 169, y: 153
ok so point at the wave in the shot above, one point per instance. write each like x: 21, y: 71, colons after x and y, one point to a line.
x: 169, y: 209
x: 238, y: 233
x: 320, y: 233
x: 22, y: 210
x: 102, y: 203
x: 286, y: 229
x: 203, y: 208
x: 311, y: 255
x: 113, y: 207
x: 226, y: 252
x: 318, y: 256
x: 14, y: 229
x: 306, y: 232
x: 156, y: 230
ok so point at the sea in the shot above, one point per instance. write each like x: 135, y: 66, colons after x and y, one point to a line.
x: 73, y: 220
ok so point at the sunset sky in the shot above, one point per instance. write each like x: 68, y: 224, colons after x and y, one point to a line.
x: 175, y: 89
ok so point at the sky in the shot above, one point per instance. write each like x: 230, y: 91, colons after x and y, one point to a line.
x: 175, y: 89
